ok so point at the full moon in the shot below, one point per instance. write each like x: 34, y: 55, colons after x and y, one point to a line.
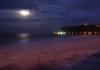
x: 24, y: 12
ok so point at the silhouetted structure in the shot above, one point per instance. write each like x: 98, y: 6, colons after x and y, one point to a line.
x: 79, y: 30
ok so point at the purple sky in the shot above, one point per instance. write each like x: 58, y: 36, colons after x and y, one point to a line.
x: 49, y: 14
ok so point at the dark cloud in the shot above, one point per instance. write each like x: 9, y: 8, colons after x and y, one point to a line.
x: 54, y: 13
x: 16, y: 4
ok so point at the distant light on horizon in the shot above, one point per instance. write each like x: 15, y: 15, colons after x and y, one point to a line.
x: 60, y: 33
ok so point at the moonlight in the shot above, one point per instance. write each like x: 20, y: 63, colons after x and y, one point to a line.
x: 24, y: 12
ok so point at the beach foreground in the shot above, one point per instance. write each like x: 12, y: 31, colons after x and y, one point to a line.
x: 52, y: 54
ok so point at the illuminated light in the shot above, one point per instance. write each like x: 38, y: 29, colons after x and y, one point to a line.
x: 95, y: 33
x: 85, y: 24
x: 24, y: 12
x: 61, y: 33
x: 24, y: 35
x: 89, y: 33
x: 72, y: 32
x: 85, y: 33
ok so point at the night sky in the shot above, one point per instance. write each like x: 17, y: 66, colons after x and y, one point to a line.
x: 48, y: 15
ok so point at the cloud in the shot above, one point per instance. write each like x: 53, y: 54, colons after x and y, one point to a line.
x: 51, y: 12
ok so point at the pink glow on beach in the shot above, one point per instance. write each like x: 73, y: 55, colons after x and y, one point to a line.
x: 25, y: 56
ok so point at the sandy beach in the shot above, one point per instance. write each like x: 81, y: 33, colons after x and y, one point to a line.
x: 51, y: 54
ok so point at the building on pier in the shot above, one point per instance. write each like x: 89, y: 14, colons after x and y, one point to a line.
x: 79, y: 30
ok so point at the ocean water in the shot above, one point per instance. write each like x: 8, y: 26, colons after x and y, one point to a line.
x: 4, y: 40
